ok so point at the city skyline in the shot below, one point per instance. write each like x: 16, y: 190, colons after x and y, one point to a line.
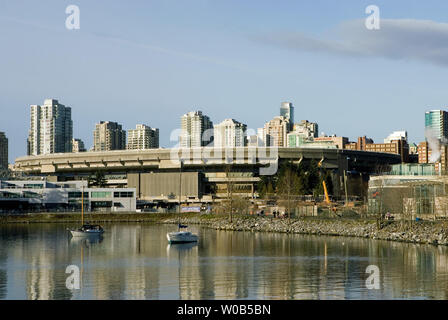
x: 291, y: 128
x: 151, y: 68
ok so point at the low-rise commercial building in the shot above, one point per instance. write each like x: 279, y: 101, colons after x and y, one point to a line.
x: 37, y: 195
x: 409, y: 196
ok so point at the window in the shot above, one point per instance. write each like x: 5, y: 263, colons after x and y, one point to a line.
x: 101, y: 194
x: 101, y: 204
x: 29, y: 194
x: 77, y: 194
x: 33, y: 186
x: 124, y: 194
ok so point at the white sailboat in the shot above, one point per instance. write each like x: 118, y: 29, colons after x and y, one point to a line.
x: 181, y: 236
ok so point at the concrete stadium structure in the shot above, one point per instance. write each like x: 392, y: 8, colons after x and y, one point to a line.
x: 156, y: 173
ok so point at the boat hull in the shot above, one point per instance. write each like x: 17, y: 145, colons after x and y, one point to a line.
x: 78, y: 233
x: 181, y: 237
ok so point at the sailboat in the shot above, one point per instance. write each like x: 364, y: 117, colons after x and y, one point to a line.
x: 181, y: 236
x: 86, y: 229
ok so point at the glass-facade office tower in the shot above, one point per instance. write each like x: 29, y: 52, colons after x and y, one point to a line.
x: 287, y: 111
x: 436, y: 121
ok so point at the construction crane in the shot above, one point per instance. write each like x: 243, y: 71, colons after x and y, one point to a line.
x: 327, y: 198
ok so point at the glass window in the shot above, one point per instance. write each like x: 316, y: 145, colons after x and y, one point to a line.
x: 77, y: 194
x: 124, y: 194
x: 101, y: 194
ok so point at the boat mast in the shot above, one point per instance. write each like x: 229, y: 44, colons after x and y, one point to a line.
x: 82, y: 205
x: 180, y: 195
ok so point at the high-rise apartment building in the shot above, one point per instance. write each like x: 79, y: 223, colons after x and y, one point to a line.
x: 261, y: 137
x: 108, y: 136
x: 276, y: 132
x: 51, y: 128
x: 142, y: 137
x: 436, y: 122
x: 230, y: 133
x: 306, y: 129
x: 78, y: 145
x: 197, y: 130
x: 3, y: 151
x: 287, y: 111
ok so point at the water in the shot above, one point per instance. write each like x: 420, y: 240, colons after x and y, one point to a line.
x: 134, y: 261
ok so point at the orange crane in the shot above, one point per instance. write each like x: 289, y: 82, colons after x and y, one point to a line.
x: 327, y: 198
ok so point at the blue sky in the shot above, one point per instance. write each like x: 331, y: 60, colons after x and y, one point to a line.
x: 152, y: 61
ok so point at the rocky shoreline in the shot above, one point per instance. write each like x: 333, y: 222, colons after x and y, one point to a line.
x: 423, y: 232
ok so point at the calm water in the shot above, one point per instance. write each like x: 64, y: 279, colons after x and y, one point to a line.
x: 134, y: 261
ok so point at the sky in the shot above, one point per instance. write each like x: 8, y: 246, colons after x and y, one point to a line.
x: 151, y: 62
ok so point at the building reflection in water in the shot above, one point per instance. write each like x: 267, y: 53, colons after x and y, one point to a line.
x: 134, y: 261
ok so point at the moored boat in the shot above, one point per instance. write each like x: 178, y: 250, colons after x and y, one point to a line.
x: 181, y: 237
x: 87, y: 230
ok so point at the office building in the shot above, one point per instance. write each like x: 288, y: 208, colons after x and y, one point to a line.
x: 78, y: 145
x: 400, y: 147
x: 436, y: 124
x: 287, y: 111
x: 45, y: 195
x: 295, y: 139
x: 3, y: 151
x: 276, y: 131
x: 439, y: 157
x: 424, y: 152
x: 51, y: 128
x: 359, y: 145
x: 142, y: 137
x: 109, y: 136
x: 230, y: 133
x: 196, y: 130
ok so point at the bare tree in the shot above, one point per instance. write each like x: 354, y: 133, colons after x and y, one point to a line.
x: 230, y: 185
x: 288, y: 187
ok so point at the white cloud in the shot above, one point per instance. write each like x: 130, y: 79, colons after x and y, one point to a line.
x: 422, y: 40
